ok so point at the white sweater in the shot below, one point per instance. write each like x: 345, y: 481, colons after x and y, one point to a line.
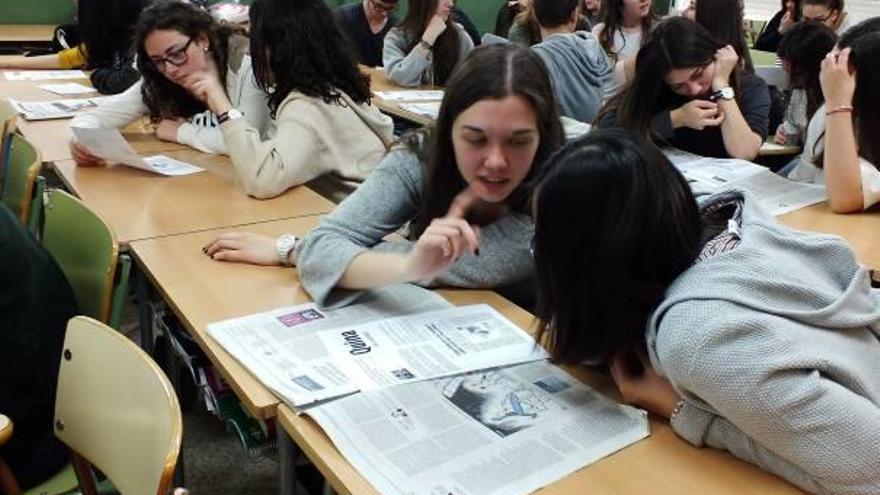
x: 241, y: 87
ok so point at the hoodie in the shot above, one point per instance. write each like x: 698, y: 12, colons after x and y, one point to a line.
x: 339, y: 142
x: 579, y: 70
x: 773, y: 347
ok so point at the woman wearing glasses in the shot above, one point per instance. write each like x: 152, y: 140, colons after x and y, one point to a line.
x: 366, y: 25
x: 176, y: 41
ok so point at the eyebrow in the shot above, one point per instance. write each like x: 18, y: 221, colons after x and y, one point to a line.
x: 477, y: 129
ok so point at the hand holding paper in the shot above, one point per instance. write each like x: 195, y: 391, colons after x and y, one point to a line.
x: 109, y: 144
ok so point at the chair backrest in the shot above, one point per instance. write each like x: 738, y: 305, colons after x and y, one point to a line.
x: 85, y: 247
x: 22, y: 166
x: 7, y: 127
x: 116, y: 409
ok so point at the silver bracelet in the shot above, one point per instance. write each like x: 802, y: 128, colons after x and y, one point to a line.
x: 677, y: 409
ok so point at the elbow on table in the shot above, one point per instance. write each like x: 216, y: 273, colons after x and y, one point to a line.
x: 845, y: 204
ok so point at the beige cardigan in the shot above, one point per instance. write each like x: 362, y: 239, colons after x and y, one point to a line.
x: 313, y: 138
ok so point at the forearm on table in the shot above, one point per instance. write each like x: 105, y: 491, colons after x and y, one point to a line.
x: 373, y: 269
x: 740, y: 140
x: 841, y: 162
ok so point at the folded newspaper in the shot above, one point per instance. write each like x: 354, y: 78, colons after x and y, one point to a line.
x: 775, y: 193
x: 504, y: 431
x: 396, y: 335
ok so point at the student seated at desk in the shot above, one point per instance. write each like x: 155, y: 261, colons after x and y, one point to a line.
x: 578, y: 66
x: 107, y: 28
x: 706, y: 104
x: 320, y: 101
x: 782, y: 21
x: 841, y: 148
x: 35, y: 303
x: 625, y: 26
x: 748, y: 336
x: 176, y: 41
x: 426, y: 46
x: 462, y: 189
x: 829, y: 12
x: 366, y: 25
x: 802, y: 50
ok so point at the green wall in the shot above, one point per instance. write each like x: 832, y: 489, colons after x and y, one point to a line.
x: 482, y: 12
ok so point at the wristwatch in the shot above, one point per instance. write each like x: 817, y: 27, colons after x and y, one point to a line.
x: 284, y: 245
x: 231, y: 114
x: 722, y: 94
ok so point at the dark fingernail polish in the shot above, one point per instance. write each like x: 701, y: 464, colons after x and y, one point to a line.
x: 477, y: 252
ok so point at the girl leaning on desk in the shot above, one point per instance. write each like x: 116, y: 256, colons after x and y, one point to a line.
x: 106, y: 28
x: 842, y: 147
x: 461, y: 190
x: 748, y: 336
x: 705, y: 103
x: 175, y: 41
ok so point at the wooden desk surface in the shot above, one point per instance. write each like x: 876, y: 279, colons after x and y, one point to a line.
x: 379, y: 82
x: 203, y: 291
x: 861, y: 230
x: 141, y: 205
x: 663, y: 463
x: 17, y: 33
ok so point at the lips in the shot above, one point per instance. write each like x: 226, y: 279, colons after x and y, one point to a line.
x: 495, y: 186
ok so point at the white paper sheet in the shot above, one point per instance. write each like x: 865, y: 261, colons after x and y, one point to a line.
x: 42, y: 75
x: 68, y: 88
x: 57, y: 109
x: 502, y: 431
x: 410, y: 95
x: 109, y: 144
x: 430, y: 109
x: 574, y: 128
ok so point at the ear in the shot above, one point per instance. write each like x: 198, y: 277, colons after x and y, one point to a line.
x: 203, y: 42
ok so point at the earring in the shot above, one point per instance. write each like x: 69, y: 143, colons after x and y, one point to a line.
x: 205, y: 49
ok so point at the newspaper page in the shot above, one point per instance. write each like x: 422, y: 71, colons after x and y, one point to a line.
x: 430, y: 109
x: 394, y: 335
x: 502, y: 431
x: 68, y: 88
x: 56, y: 109
x: 411, y: 95
x: 109, y: 144
x: 775, y: 193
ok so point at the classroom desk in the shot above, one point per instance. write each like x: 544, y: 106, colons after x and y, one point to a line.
x: 141, y: 205
x: 861, y: 230
x: 769, y: 148
x: 379, y: 82
x: 22, y: 33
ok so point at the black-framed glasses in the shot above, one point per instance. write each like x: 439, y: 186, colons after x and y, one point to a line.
x: 176, y: 57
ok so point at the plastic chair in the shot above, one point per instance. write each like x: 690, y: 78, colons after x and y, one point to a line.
x: 116, y: 410
x: 85, y: 248
x: 7, y: 127
x: 22, y: 166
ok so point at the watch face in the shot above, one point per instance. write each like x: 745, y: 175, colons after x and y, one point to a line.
x: 235, y: 114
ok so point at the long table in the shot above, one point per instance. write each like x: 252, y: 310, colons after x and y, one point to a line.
x: 861, y: 230
x: 21, y: 33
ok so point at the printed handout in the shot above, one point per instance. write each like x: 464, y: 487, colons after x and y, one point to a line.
x: 109, y: 144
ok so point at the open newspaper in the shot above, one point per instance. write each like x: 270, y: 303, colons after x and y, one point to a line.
x: 500, y: 431
x: 775, y: 193
x: 396, y: 335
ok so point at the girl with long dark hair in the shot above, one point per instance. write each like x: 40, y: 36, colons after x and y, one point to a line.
x: 850, y: 168
x: 690, y: 92
x: 624, y: 27
x: 770, y: 37
x: 802, y: 50
x: 461, y: 189
x: 426, y: 46
x: 320, y: 101
x: 748, y: 336
x: 176, y: 41
x: 724, y: 21
x: 107, y: 29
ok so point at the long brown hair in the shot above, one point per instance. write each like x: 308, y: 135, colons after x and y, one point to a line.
x: 612, y: 18
x: 489, y: 72
x: 446, y: 47
x: 164, y: 98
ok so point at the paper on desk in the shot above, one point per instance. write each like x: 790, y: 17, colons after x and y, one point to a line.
x: 430, y: 109
x: 775, y: 193
x: 57, y: 109
x: 395, y: 335
x: 109, y: 144
x: 574, y: 128
x: 500, y: 431
x: 411, y: 95
x: 42, y: 75
x: 67, y: 88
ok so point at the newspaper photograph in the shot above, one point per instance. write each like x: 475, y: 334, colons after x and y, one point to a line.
x: 507, y: 431
x: 394, y: 335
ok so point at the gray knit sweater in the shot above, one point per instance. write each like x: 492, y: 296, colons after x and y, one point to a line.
x: 389, y: 199
x: 416, y: 67
x: 774, y: 347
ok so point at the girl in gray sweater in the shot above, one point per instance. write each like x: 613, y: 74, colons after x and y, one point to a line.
x: 749, y: 336
x: 461, y: 191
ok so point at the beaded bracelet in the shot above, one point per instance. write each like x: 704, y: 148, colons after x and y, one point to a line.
x: 676, y: 410
x: 842, y: 108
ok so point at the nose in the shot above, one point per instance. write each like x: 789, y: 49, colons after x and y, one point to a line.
x: 694, y: 88
x: 495, y: 159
